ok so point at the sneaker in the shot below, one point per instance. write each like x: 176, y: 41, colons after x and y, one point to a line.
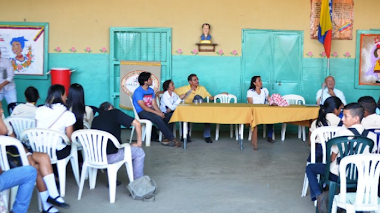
x: 208, y: 140
x: 322, y: 203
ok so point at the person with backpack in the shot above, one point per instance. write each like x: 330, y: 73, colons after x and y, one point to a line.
x: 353, y: 114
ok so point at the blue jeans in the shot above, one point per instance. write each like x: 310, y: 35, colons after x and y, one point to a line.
x: 25, y: 178
x: 270, y: 130
x: 312, y: 170
x: 159, y: 122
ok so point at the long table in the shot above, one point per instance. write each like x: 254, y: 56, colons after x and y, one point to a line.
x: 219, y: 113
x: 242, y: 113
x: 293, y: 114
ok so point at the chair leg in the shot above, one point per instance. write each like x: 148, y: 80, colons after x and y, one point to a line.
x: 175, y: 130
x: 180, y: 129
x: 332, y: 190
x: 305, y: 186
x: 93, y: 173
x: 334, y: 207
x: 132, y: 131
x: 191, y: 128
x: 75, y: 165
x: 148, y: 131
x: 83, y: 177
x: 217, y: 132
x: 231, y: 131
x: 250, y: 134
x: 237, y: 132
x: 303, y: 134
x: 283, y: 131
x: 160, y: 136
x: 61, y: 167
x: 112, y: 172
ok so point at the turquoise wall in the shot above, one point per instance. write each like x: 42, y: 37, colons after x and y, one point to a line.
x: 217, y: 73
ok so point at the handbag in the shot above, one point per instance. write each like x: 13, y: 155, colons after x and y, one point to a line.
x: 143, y: 188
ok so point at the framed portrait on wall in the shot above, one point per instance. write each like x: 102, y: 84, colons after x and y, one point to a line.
x: 26, y: 46
x: 367, y: 68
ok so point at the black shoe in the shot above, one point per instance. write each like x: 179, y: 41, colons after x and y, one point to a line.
x: 56, y: 203
x: 48, y: 211
x: 208, y: 140
x: 270, y: 140
x: 188, y: 139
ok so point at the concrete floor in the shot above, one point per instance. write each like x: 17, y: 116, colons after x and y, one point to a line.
x: 215, y: 177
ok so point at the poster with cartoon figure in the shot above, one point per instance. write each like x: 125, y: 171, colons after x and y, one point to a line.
x: 367, y: 59
x: 25, y: 46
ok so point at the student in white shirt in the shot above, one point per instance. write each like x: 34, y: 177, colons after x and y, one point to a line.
x: 54, y: 115
x: 371, y: 120
x: 27, y: 110
x: 258, y: 95
x: 169, y: 101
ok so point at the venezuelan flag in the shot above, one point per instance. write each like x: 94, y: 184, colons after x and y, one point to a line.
x: 325, y: 26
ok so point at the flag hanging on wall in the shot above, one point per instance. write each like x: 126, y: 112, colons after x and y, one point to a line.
x: 325, y: 26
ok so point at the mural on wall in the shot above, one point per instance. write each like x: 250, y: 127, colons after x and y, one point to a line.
x: 25, y: 46
x: 342, y: 19
x: 368, y: 58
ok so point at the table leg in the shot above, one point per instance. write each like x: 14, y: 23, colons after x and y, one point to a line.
x: 241, y: 129
x: 254, y: 138
x: 184, y: 133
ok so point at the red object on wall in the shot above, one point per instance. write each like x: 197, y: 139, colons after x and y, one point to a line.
x: 61, y: 76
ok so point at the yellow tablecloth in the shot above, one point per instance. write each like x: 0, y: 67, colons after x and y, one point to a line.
x: 297, y: 114
x: 240, y: 113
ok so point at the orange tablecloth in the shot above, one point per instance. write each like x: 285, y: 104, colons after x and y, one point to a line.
x: 240, y: 113
x: 297, y: 114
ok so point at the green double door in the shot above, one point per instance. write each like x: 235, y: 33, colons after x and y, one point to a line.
x: 276, y: 56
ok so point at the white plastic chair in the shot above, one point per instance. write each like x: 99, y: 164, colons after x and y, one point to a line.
x: 224, y: 98
x: 94, y: 143
x: 44, y: 140
x: 365, y: 198
x: 324, y: 134
x: 9, y: 195
x: 146, y: 126
x: 294, y: 100
x: 20, y: 124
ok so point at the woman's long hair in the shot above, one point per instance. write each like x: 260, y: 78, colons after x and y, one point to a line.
x: 54, y: 96
x: 75, y: 102
x: 330, y: 104
x: 253, y: 80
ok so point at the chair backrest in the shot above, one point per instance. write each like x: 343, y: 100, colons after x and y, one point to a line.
x: 12, y: 105
x: 348, y: 145
x: 323, y: 134
x: 44, y: 140
x: 377, y: 132
x: 94, y: 144
x: 294, y: 99
x: 368, y: 170
x: 9, y: 141
x: 20, y: 124
x: 134, y: 109
x: 94, y: 109
x: 224, y: 98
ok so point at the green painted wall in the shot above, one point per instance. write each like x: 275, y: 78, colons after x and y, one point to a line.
x: 217, y: 73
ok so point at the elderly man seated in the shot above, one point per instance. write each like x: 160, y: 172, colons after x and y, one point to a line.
x: 328, y: 90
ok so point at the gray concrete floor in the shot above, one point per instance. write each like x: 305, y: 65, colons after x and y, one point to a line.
x: 215, y: 177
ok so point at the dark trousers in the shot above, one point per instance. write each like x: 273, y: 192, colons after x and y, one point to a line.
x: 159, y: 122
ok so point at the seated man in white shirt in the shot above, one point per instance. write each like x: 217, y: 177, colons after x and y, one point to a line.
x: 353, y: 114
x: 371, y: 120
x: 328, y: 90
